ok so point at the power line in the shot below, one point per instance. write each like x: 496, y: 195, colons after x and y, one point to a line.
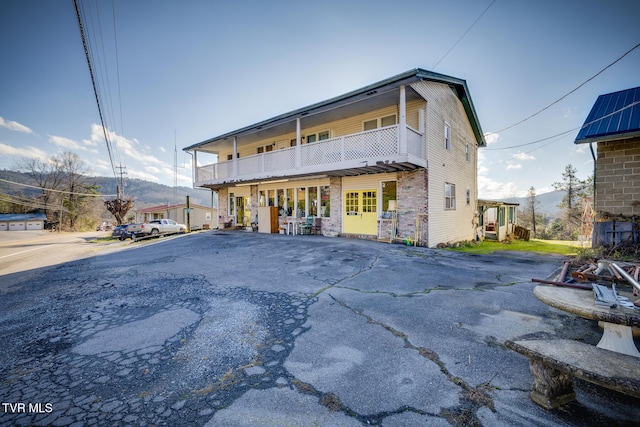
x: 461, y: 37
x: 95, y: 90
x: 570, y: 92
x: 57, y: 191
x: 568, y: 131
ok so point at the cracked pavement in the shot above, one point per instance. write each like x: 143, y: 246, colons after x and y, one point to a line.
x: 244, y: 329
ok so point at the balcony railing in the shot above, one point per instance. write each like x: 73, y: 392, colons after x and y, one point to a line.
x: 331, y: 154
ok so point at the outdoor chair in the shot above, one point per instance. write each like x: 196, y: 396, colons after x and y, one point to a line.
x: 305, y: 227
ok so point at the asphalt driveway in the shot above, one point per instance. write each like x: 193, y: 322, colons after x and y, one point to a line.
x: 246, y: 329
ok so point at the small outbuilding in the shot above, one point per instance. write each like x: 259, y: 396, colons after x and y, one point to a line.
x: 19, y: 222
x: 496, y: 219
x: 614, y: 125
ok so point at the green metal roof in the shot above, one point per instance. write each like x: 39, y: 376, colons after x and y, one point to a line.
x: 459, y: 86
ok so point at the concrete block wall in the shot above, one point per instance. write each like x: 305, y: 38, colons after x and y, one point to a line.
x: 618, y: 179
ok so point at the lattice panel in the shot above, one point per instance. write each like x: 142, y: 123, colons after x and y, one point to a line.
x: 414, y: 143
x: 205, y: 173
x: 249, y: 165
x: 375, y: 143
x: 319, y: 153
x: 280, y: 160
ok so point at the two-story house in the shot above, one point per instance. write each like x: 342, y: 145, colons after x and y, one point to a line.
x: 398, y: 156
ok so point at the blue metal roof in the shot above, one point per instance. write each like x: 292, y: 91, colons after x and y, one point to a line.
x: 614, y: 116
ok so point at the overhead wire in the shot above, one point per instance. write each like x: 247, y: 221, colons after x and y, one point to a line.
x: 463, y: 35
x: 570, y: 92
x: 95, y: 89
x: 56, y: 191
x: 567, y: 131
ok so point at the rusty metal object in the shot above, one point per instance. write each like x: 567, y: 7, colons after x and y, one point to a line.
x: 564, y: 284
x: 563, y: 273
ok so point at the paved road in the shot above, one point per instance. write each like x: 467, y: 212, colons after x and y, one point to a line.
x: 26, y: 250
x: 246, y: 329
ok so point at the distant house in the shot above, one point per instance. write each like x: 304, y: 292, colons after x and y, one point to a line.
x: 394, y: 159
x: 199, y: 216
x: 16, y: 222
x: 614, y: 124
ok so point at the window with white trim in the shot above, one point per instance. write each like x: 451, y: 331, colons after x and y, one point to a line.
x: 467, y: 152
x: 447, y: 136
x: 379, y: 122
x: 449, y: 196
x: 320, y: 136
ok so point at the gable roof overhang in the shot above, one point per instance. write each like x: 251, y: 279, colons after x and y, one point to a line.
x: 614, y: 116
x: 380, y: 94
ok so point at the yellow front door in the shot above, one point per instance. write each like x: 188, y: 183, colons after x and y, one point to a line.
x: 360, y: 214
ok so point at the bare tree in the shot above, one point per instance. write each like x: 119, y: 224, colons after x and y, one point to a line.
x: 46, y: 174
x: 76, y: 183
x: 119, y: 208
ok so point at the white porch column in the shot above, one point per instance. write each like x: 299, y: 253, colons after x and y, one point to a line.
x: 235, y: 156
x: 298, y: 142
x: 402, y: 122
x: 194, y: 167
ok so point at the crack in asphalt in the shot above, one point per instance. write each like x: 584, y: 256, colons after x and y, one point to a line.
x: 473, y: 398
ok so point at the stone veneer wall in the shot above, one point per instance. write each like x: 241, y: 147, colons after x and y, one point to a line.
x: 332, y: 225
x: 412, y: 192
x: 618, y: 179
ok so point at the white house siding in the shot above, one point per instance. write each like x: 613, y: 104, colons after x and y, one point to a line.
x: 448, y: 166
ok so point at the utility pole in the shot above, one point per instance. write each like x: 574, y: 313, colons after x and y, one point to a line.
x: 188, y: 215
x: 120, y: 186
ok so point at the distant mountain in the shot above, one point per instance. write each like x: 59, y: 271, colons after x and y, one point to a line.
x: 145, y: 193
x: 548, y: 202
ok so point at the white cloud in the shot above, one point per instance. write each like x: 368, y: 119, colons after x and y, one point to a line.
x: 511, y: 166
x: 30, y: 152
x: 491, y: 137
x: 14, y: 126
x: 142, y: 175
x: 70, y: 144
x: 163, y: 149
x: 523, y: 156
x: 152, y: 169
x: 63, y: 142
x: 490, y: 189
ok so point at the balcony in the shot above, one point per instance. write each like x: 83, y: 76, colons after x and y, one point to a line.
x: 374, y: 151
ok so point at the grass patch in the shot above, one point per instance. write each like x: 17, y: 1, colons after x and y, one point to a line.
x: 533, y: 245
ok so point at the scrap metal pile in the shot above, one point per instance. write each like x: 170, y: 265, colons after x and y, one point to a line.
x: 597, y: 274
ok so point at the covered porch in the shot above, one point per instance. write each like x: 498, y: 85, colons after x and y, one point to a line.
x: 496, y: 219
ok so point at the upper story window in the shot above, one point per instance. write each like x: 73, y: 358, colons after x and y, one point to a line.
x: 379, y: 122
x: 447, y: 136
x: 467, y: 152
x: 320, y: 136
x: 449, y: 196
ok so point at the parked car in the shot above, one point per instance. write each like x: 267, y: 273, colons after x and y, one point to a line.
x: 154, y: 228
x: 120, y: 232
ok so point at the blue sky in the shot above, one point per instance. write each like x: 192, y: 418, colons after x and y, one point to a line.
x: 184, y: 71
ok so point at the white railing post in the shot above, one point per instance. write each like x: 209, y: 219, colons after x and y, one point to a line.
x: 298, y: 149
x: 402, y: 123
x: 235, y: 156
